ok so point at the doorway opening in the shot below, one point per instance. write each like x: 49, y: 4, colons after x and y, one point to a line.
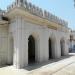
x: 62, y: 43
x: 50, y: 48
x: 31, y: 50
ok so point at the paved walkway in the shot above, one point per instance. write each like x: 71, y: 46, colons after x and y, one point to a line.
x: 63, y: 66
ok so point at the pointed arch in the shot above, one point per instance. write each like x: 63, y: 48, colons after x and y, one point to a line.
x: 31, y: 49
x: 35, y: 43
x: 52, y: 43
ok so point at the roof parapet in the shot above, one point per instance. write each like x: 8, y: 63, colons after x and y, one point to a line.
x: 37, y: 11
x: 2, y: 17
x: 2, y: 12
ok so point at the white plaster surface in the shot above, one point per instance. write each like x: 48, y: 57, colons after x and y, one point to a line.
x: 14, y: 42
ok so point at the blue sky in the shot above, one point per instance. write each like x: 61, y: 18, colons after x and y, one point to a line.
x: 61, y: 8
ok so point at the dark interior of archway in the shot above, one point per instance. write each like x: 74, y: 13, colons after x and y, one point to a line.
x: 50, y: 49
x: 31, y: 50
x: 61, y: 44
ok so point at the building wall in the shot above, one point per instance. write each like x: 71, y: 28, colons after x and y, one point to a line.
x: 21, y: 30
x: 24, y: 20
x: 3, y: 44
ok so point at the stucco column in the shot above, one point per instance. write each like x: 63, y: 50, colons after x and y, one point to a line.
x: 24, y: 50
x: 10, y: 49
x: 57, y: 51
x: 45, y: 52
x: 17, y: 49
x: 20, y: 44
x: 43, y: 46
x: 20, y: 49
x: 40, y: 50
x: 66, y: 51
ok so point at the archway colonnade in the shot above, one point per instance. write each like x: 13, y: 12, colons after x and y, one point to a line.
x: 33, y: 51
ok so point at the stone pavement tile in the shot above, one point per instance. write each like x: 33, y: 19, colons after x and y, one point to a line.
x: 11, y: 71
x: 52, y: 68
x: 62, y: 67
x: 69, y: 70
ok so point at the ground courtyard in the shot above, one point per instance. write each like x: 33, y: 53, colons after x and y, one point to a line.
x: 62, y: 66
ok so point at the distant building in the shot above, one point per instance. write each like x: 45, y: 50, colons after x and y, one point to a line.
x: 30, y: 35
x: 72, y: 41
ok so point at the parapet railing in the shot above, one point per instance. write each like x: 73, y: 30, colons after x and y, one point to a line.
x: 37, y: 11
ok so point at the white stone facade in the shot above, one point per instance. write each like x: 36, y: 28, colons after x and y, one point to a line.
x: 15, y: 34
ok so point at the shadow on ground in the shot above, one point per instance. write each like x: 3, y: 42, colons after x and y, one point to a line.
x: 34, y: 66
x: 31, y: 67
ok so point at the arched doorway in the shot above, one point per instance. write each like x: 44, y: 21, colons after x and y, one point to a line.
x: 62, y: 46
x: 31, y: 49
x: 50, y: 48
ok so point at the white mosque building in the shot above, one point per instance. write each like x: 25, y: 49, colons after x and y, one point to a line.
x: 29, y: 34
